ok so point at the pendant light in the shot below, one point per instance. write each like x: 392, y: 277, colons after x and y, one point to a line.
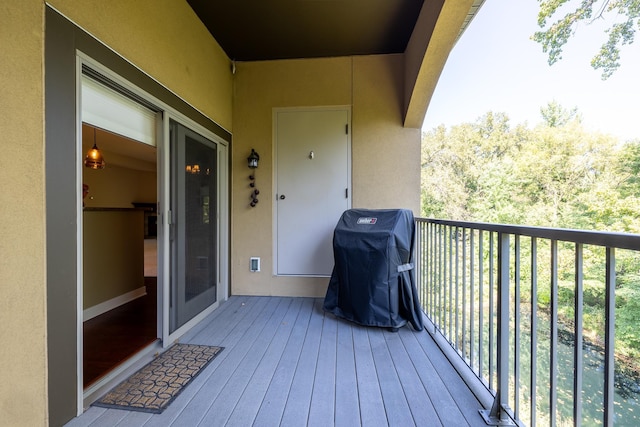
x: 94, y: 158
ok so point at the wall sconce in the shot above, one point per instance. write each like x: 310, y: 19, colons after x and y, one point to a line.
x: 94, y: 159
x: 253, y: 159
x: 253, y: 164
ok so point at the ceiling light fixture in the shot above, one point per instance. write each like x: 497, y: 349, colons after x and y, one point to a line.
x: 94, y: 159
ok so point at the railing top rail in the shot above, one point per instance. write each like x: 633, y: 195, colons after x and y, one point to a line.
x: 599, y: 238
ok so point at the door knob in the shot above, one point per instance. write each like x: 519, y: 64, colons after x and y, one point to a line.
x: 282, y: 197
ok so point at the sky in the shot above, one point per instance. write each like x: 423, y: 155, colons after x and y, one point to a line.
x: 495, y: 66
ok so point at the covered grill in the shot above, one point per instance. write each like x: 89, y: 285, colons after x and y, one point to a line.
x: 372, y: 283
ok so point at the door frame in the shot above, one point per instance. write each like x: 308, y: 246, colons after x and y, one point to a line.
x: 166, y: 112
x: 347, y: 109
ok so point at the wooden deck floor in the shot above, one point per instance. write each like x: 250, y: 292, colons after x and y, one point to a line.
x: 287, y: 363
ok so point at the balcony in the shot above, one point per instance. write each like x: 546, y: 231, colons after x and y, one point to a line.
x: 288, y: 363
x: 501, y: 346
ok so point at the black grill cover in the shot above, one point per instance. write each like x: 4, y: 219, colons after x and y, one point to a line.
x: 372, y: 283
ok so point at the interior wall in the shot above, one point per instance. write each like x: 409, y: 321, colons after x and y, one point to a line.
x: 108, y: 232
x: 381, y: 148
x: 117, y: 187
x: 23, y: 355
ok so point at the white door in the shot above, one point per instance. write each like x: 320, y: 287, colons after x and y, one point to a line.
x: 312, y: 187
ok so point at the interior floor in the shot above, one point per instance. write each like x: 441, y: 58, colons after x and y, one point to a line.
x: 113, y: 337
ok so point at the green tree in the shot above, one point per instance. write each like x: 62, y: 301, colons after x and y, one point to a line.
x: 458, y: 163
x: 625, y: 15
x: 629, y: 169
x: 555, y: 115
x: 557, y: 174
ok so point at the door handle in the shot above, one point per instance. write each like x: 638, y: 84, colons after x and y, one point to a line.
x: 282, y: 197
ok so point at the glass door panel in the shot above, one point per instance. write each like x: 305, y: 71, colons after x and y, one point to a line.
x: 194, y: 231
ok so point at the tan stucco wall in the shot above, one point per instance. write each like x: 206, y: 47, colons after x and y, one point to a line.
x: 168, y: 42
x: 260, y: 87
x: 23, y: 389
x: 381, y: 148
x: 386, y: 156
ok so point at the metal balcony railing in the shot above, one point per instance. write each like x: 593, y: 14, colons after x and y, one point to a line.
x: 510, y: 302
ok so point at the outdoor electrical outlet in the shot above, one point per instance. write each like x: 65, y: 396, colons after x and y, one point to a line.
x: 254, y: 264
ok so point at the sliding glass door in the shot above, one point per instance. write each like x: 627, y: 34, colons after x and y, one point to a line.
x: 194, y: 232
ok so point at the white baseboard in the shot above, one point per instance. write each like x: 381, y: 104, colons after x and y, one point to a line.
x: 103, y: 307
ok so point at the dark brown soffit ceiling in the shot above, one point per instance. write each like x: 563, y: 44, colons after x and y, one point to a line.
x: 255, y: 30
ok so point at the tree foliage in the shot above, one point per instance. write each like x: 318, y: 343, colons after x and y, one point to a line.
x: 554, y: 175
x: 624, y: 15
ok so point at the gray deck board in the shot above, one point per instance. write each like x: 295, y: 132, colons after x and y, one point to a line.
x: 225, y: 403
x: 296, y: 411
x: 322, y: 409
x: 347, y: 411
x: 287, y: 363
x: 448, y: 411
x: 395, y: 401
x: 415, y: 392
x: 195, y: 395
x: 247, y: 407
x: 275, y: 398
x: 197, y: 408
x: 372, y: 412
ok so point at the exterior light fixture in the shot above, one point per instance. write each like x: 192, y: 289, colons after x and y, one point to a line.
x: 94, y: 159
x: 253, y: 164
x: 253, y: 159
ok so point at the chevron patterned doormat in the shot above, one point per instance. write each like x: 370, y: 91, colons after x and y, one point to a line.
x: 154, y: 387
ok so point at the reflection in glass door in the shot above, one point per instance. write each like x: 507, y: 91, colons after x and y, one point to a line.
x: 194, y: 231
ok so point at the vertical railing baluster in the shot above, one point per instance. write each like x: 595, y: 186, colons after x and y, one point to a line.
x: 491, y: 313
x: 422, y: 269
x: 429, y: 260
x: 480, y: 304
x: 425, y: 262
x: 416, y: 268
x: 440, y: 278
x: 534, y: 330
x: 443, y: 280
x: 577, y: 356
x: 609, y: 336
x: 443, y: 285
x: 449, y: 299
x: 497, y: 415
x: 432, y: 266
x: 456, y: 305
x: 471, y: 298
x: 436, y: 272
x: 553, y: 326
x: 464, y: 292
x: 516, y: 329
